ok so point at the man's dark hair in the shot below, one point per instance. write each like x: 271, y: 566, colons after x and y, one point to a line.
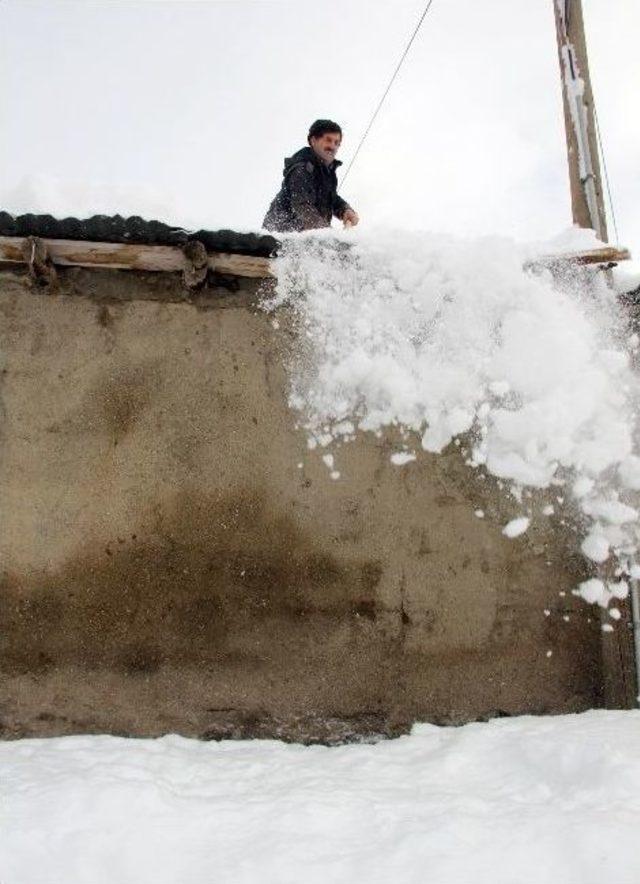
x: 320, y: 127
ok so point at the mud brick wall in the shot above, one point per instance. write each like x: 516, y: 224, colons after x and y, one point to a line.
x: 168, y: 567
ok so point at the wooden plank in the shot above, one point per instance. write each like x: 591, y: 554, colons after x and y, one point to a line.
x: 118, y: 256
x: 604, y: 255
x: 130, y: 256
x: 241, y: 265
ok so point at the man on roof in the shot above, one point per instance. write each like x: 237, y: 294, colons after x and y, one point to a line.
x: 308, y: 198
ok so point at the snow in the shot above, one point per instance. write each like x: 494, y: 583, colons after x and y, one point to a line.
x: 629, y: 471
x: 627, y: 276
x: 534, y: 800
x: 594, y: 591
x: 568, y: 241
x: 595, y: 547
x: 597, y: 592
x: 516, y: 527
x: 583, y: 486
x: 440, y: 335
x: 611, y: 511
x: 399, y: 458
x: 619, y: 590
x: 452, y: 340
x: 529, y: 799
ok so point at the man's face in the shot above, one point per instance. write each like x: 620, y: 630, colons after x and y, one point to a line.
x: 326, y: 146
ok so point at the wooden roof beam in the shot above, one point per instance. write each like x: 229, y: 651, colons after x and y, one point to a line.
x: 130, y: 256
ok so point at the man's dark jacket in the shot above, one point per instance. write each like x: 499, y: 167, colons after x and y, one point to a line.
x: 308, y: 197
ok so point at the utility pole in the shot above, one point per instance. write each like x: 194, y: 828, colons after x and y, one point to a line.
x: 587, y: 202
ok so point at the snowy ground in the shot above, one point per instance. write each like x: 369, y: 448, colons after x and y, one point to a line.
x: 514, y: 801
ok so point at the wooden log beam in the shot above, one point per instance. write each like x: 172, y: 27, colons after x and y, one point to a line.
x: 241, y: 265
x: 130, y: 256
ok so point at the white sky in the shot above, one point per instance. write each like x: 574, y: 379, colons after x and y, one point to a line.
x: 185, y: 110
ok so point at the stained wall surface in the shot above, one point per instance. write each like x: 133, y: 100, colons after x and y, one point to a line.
x: 175, y: 559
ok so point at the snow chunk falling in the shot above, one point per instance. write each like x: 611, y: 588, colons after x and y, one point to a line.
x: 516, y: 527
x: 611, y: 511
x: 595, y: 546
x: 442, y: 337
x: 629, y: 471
x: 594, y: 592
x: 582, y: 486
x: 598, y: 592
x: 619, y: 590
x: 399, y: 458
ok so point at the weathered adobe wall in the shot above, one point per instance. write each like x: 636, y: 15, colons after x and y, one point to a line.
x: 167, y: 566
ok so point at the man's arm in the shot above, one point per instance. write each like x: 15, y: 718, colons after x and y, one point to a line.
x: 342, y: 210
x: 302, y: 194
x: 340, y: 206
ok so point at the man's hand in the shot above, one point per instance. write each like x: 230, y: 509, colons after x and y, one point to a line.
x: 350, y: 218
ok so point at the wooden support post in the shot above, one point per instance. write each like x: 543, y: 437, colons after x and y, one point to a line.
x: 41, y: 269
x: 195, y: 272
x: 587, y: 201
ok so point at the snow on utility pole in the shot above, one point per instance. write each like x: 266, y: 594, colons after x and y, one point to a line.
x: 587, y: 201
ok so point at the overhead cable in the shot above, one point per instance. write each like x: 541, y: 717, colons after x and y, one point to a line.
x: 606, y: 174
x: 387, y: 90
